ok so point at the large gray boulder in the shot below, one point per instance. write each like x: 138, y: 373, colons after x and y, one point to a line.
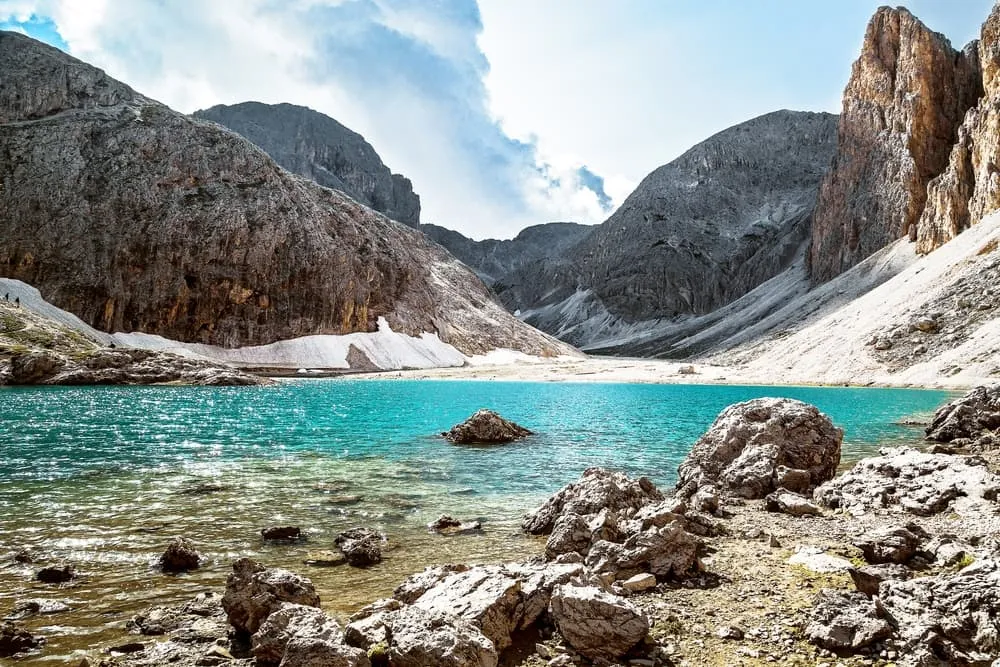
x: 485, y: 427
x: 667, y: 552
x: 968, y: 416
x: 315, y: 652
x: 917, y: 482
x: 598, y: 625
x: 758, y: 446
x: 288, y: 622
x: 254, y: 592
x: 597, y: 489
x: 949, y: 619
x: 845, y: 622
x: 414, y: 637
x: 892, y: 544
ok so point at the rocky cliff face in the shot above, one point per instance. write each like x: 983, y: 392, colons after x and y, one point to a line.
x: 907, y: 95
x: 970, y: 186
x: 138, y: 218
x: 697, y: 233
x: 313, y: 145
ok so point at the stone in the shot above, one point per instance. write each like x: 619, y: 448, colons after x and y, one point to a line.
x: 949, y: 618
x: 596, y: 624
x: 485, y: 427
x: 318, y: 652
x: 907, y: 95
x: 198, y: 621
x: 361, y: 546
x: 741, y: 453
x: 447, y: 525
x: 56, y: 574
x: 15, y: 640
x: 791, y: 503
x: 729, y: 632
x: 23, y: 556
x: 180, y: 556
x: 867, y: 579
x: 570, y: 534
x: 417, y: 584
x: 444, y: 521
x: 667, y: 552
x: 37, y: 607
x: 639, y: 583
x: 845, y: 622
x: 597, y: 489
x: 815, y: 559
x: 288, y: 622
x: 889, y: 545
x: 415, y: 637
x: 254, y: 591
x: 917, y: 482
x: 967, y: 416
x: 281, y: 533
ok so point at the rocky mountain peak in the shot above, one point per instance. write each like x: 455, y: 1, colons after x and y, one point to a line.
x: 907, y: 95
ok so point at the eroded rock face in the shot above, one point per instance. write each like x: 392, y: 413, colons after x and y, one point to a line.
x: 254, y: 591
x: 908, y: 93
x: 968, y: 416
x: 754, y: 445
x: 914, y: 481
x: 200, y: 236
x: 597, y: 489
x: 485, y: 427
x: 597, y: 624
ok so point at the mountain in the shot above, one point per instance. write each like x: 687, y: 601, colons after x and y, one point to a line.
x: 138, y: 218
x: 908, y: 93
x: 313, y: 145
x: 697, y: 233
x: 494, y: 260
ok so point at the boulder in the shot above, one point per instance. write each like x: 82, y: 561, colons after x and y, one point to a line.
x: 414, y: 637
x: 254, y: 591
x: 638, y: 583
x: 948, y: 618
x: 417, y: 584
x: 890, y: 545
x: 180, y: 556
x: 815, y: 559
x: 36, y: 607
x: 667, y: 552
x: 571, y: 533
x: 786, y: 502
x: 597, y: 489
x: 598, y: 625
x: 485, y: 427
x: 361, y: 546
x: 288, y: 622
x: 448, y: 525
x: 281, y: 533
x: 918, y: 482
x: 56, y: 574
x: 867, y: 579
x: 537, y: 583
x: 317, y: 652
x: 845, y: 622
x: 14, y: 639
x: 752, y: 445
x: 968, y: 416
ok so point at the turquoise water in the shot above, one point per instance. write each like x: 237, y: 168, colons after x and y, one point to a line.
x: 105, y: 476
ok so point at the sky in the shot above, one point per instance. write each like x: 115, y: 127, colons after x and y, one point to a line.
x: 503, y: 113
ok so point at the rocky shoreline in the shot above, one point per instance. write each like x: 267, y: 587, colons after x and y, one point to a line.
x: 761, y: 555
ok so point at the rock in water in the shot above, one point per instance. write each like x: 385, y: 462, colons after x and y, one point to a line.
x: 487, y: 428
x: 968, y: 416
x: 361, y: 546
x: 232, y: 249
x: 254, y: 591
x: 56, y: 574
x: 753, y: 446
x: 596, y: 624
x: 281, y: 533
x: 14, y: 639
x: 180, y: 556
x: 907, y: 95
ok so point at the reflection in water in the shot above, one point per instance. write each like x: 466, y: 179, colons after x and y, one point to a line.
x: 105, y: 477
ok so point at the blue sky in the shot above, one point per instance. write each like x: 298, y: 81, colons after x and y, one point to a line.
x: 504, y: 113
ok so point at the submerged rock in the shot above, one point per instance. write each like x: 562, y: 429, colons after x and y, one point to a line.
x: 36, y: 607
x: 56, y: 574
x: 180, y: 556
x: 753, y: 447
x: 598, y: 625
x: 485, y: 427
x: 361, y: 546
x: 448, y: 525
x: 281, y: 533
x: 254, y: 591
x: 14, y: 640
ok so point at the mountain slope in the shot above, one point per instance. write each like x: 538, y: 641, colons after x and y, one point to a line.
x: 313, y: 145
x: 696, y: 234
x: 138, y: 218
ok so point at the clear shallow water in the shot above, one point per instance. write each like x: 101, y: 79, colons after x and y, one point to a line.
x: 105, y: 476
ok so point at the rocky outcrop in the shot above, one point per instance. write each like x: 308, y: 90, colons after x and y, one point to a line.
x: 846, y: 622
x: 254, y: 592
x: 916, y: 482
x: 597, y: 624
x: 908, y: 93
x: 313, y: 145
x: 970, y: 186
x: 290, y: 622
x: 968, y: 416
x: 756, y: 447
x: 180, y: 556
x: 485, y: 427
x: 200, y: 236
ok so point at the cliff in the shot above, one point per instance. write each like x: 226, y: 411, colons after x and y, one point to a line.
x: 138, y: 218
